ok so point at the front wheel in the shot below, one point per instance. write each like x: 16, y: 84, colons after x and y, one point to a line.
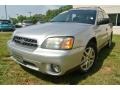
x: 89, y: 57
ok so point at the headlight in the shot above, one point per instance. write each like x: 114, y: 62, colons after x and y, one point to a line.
x: 58, y: 43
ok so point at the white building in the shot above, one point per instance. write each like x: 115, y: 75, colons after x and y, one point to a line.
x: 113, y: 12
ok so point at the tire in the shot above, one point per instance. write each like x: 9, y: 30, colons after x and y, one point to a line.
x: 0, y: 30
x: 109, y: 45
x: 88, y: 60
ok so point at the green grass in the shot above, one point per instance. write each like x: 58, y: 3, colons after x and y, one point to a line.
x: 107, y: 71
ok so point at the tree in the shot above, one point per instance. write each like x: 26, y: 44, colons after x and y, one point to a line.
x: 52, y: 13
x: 40, y: 17
x: 21, y: 18
x: 37, y: 17
x: 14, y: 20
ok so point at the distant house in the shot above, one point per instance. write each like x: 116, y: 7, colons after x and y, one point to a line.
x: 113, y: 12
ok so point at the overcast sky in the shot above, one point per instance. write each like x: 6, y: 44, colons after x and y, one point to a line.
x: 12, y: 10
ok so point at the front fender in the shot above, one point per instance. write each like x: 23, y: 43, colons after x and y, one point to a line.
x: 82, y: 38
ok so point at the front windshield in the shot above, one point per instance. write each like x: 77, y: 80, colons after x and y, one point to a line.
x: 27, y: 21
x: 79, y: 16
x: 5, y: 22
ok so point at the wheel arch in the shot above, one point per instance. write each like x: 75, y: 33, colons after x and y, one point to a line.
x: 93, y: 40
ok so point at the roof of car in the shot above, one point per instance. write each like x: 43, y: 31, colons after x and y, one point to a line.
x: 88, y: 8
x: 4, y: 20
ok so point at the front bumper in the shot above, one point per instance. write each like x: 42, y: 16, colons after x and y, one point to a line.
x: 41, y: 59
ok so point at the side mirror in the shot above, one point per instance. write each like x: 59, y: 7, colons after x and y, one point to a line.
x: 100, y: 22
x: 104, y: 21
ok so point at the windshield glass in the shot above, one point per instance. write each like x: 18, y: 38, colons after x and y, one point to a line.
x: 79, y: 16
x: 5, y: 22
x: 27, y: 21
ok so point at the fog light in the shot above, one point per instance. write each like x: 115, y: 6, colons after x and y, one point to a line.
x: 55, y: 68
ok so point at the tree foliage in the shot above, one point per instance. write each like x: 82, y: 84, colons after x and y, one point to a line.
x: 21, y: 18
x: 40, y: 17
x: 14, y: 20
x: 52, y: 13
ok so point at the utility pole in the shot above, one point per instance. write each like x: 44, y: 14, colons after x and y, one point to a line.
x: 6, y: 11
x: 30, y: 13
x: 17, y: 14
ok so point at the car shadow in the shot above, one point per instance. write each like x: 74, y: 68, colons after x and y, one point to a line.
x: 76, y: 76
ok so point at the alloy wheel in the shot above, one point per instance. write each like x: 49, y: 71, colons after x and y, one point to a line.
x: 87, y: 59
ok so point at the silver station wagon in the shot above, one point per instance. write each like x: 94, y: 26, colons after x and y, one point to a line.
x: 71, y: 39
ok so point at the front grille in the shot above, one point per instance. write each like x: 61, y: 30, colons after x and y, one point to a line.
x: 25, y: 41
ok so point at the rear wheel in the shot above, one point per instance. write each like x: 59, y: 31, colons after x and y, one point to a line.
x: 89, y: 57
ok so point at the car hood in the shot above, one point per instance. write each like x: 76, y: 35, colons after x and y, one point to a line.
x: 55, y: 29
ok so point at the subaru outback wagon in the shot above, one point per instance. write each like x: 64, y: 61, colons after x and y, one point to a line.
x: 71, y: 39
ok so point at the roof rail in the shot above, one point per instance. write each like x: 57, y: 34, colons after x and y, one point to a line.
x: 91, y: 7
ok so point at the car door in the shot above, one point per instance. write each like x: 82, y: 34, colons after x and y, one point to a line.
x: 100, y: 31
x: 108, y: 27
